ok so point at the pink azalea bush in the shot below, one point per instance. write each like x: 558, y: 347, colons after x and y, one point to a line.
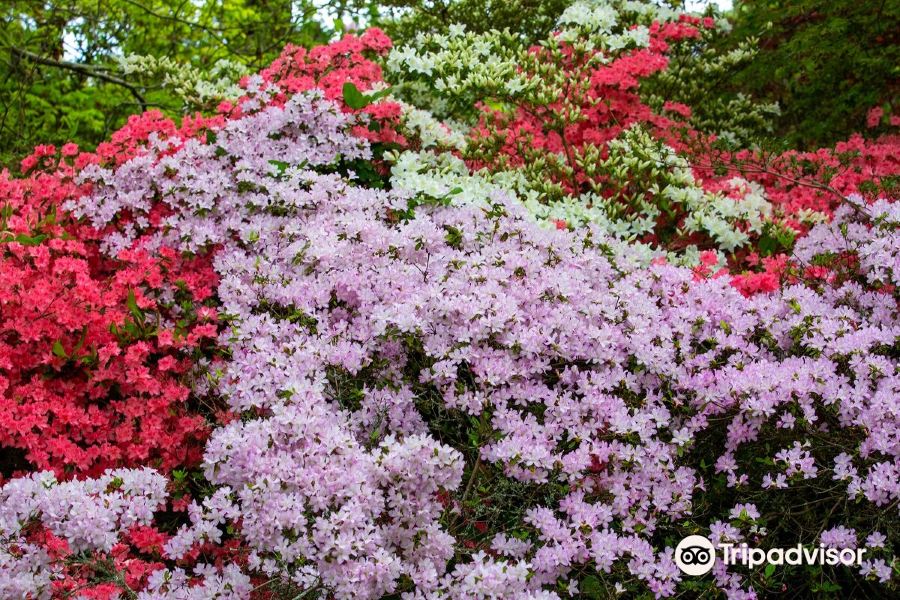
x: 432, y: 398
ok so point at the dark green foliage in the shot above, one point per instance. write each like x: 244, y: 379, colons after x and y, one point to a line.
x: 531, y: 19
x: 59, y: 81
x: 826, y: 62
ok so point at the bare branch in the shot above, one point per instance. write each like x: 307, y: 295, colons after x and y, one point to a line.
x: 86, y: 70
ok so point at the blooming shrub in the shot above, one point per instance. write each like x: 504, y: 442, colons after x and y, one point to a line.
x: 43, y: 520
x: 430, y: 393
x: 588, y: 126
x: 807, y: 187
x: 330, y: 68
x: 691, y: 82
x: 95, y: 351
x: 820, y: 181
x: 362, y: 321
x: 568, y: 120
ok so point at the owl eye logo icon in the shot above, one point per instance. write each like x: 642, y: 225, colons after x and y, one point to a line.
x: 695, y: 555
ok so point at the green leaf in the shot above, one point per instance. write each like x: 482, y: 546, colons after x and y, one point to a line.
x: 767, y: 245
x: 356, y: 100
x: 80, y: 340
x: 27, y: 240
x: 279, y: 165
x: 473, y: 439
x: 58, y: 349
x: 591, y: 587
x: 770, y: 570
x: 353, y: 97
x: 375, y: 435
x: 454, y: 237
x: 134, y: 308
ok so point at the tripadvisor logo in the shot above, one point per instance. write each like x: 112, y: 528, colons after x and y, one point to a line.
x: 695, y: 555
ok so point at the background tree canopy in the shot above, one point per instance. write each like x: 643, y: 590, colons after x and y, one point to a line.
x: 59, y: 80
x: 825, y: 62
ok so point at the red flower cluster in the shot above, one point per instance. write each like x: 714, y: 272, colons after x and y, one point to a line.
x: 818, y: 179
x: 610, y: 102
x: 138, y: 555
x: 329, y: 68
x: 93, y: 351
x: 609, y: 105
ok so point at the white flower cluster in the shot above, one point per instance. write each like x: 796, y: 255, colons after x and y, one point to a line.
x: 458, y: 59
x: 431, y: 132
x: 445, y: 177
x: 451, y: 71
x: 442, y: 176
x: 595, y: 23
x: 598, y: 17
x: 194, y: 87
x: 717, y: 214
x: 648, y: 11
x: 635, y: 155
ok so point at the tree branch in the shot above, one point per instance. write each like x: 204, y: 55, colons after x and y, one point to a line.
x: 87, y: 70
